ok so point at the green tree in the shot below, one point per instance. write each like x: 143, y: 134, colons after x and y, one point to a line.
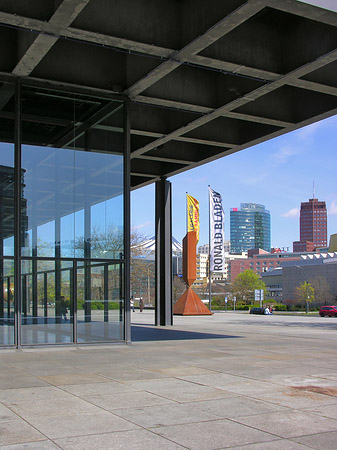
x: 305, y: 294
x: 244, y: 285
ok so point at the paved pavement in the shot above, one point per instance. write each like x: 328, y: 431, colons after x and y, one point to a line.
x: 230, y: 381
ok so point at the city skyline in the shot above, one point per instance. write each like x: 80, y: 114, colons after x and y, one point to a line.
x: 278, y: 174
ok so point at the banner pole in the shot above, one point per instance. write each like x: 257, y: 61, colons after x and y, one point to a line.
x: 209, y: 250
x: 186, y: 212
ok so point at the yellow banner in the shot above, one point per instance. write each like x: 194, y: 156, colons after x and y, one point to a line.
x: 193, y: 215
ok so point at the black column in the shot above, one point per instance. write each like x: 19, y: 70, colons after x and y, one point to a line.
x: 17, y: 215
x: 163, y: 302
x: 127, y: 223
x: 2, y: 309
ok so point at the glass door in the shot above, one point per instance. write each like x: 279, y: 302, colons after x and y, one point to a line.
x: 100, y: 302
x: 47, y: 302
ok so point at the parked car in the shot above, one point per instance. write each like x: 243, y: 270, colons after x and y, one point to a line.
x: 256, y: 310
x: 328, y: 311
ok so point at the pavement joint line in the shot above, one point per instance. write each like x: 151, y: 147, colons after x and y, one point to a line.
x: 258, y: 429
x: 28, y: 423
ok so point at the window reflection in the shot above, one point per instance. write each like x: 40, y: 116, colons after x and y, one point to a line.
x: 74, y: 203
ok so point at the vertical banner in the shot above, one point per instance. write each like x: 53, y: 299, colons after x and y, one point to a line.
x: 193, y: 215
x: 217, y: 232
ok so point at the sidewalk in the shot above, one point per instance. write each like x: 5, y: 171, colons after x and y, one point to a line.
x: 230, y: 381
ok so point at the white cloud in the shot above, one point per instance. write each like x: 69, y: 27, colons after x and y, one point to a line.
x: 333, y: 208
x: 292, y: 213
x: 309, y: 130
x: 283, y: 154
x: 142, y: 225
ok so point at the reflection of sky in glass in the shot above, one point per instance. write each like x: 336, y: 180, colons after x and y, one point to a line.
x: 71, y: 185
x: 6, y: 154
x: 7, y: 160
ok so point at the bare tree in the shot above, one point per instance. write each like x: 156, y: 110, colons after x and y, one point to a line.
x: 178, y: 288
x: 323, y: 294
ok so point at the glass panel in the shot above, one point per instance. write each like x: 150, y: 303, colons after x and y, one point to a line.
x: 7, y: 302
x: 73, y: 175
x: 47, y: 302
x: 6, y: 213
x: 100, y: 303
x: 72, y: 160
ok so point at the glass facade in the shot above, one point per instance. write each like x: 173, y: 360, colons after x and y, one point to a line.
x: 249, y: 228
x: 62, y: 225
x: 7, y: 212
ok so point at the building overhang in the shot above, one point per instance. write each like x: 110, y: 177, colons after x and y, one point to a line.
x: 204, y: 79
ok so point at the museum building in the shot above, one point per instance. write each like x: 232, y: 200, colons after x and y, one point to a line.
x: 98, y: 98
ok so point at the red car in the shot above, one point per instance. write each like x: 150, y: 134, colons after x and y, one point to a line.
x: 328, y: 311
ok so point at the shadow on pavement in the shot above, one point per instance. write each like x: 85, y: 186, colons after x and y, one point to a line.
x: 150, y: 333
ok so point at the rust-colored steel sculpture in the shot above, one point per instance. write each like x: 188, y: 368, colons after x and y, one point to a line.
x: 189, y: 304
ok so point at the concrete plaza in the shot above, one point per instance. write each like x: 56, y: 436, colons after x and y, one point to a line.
x: 230, y: 381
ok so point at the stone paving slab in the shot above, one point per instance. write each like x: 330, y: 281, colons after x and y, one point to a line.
x: 52, y: 407
x: 6, y: 414
x: 127, y: 400
x: 283, y: 444
x: 41, y: 445
x: 66, y: 425
x: 135, y: 440
x: 319, y: 441
x: 326, y: 411
x: 244, y: 384
x: 174, y: 414
x: 239, y: 406
x: 289, y: 423
x: 18, y: 431
x: 292, y: 397
x: 214, y: 435
x: 71, y: 378
x: 110, y: 387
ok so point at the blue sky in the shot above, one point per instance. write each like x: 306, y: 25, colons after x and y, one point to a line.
x: 278, y: 174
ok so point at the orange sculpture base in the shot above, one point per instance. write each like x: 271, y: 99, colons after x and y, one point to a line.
x: 190, y: 304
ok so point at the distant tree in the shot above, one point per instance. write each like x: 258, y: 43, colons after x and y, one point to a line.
x: 178, y: 288
x: 305, y: 294
x: 109, y: 243
x: 323, y: 295
x: 244, y: 285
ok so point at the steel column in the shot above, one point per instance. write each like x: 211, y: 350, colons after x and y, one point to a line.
x: 163, y: 301
x: 127, y: 223
x: 1, y: 282
x: 17, y: 214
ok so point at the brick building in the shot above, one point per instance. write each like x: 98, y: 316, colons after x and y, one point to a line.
x: 313, y: 226
x: 259, y: 261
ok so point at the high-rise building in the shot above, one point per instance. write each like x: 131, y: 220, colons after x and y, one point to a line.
x: 313, y: 222
x: 249, y: 227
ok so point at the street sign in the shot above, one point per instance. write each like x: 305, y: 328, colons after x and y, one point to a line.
x: 259, y: 294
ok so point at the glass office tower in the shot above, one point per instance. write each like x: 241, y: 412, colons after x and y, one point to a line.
x: 249, y: 228
x: 62, y: 216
